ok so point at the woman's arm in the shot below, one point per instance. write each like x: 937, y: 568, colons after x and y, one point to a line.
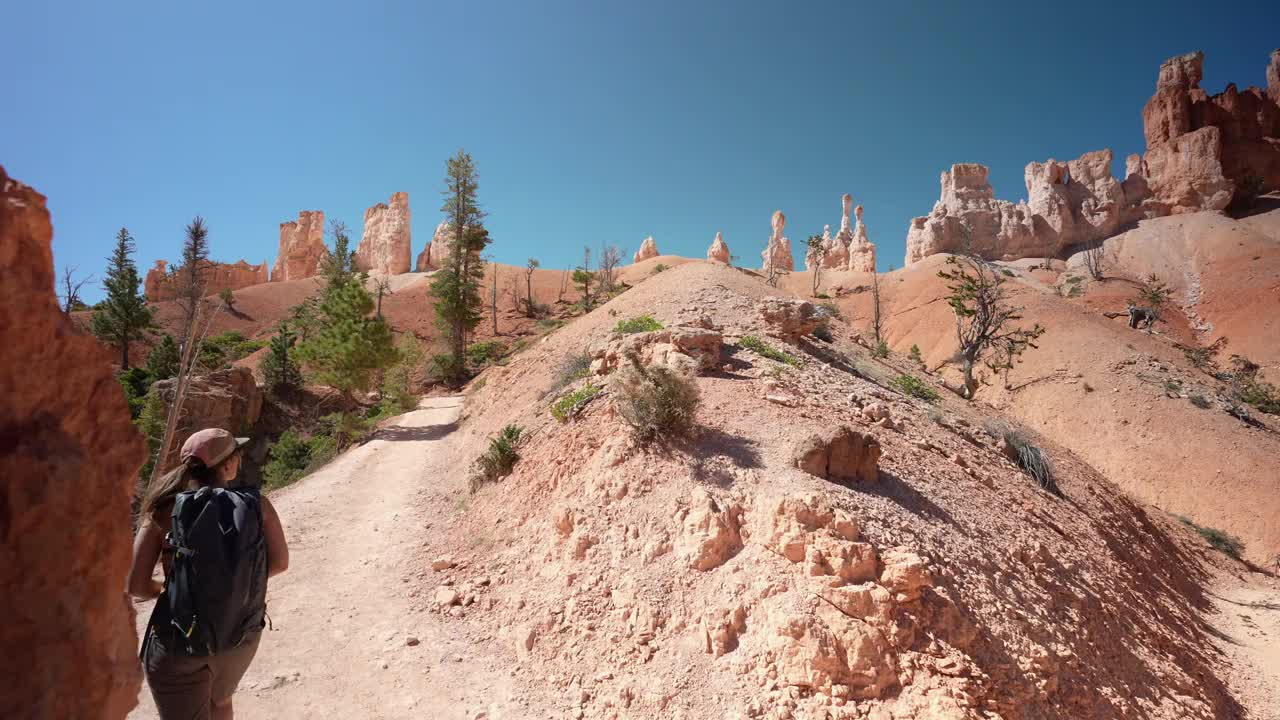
x: 277, y: 547
x: 146, y: 551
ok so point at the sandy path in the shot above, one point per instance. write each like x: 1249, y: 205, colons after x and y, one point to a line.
x: 1248, y: 628
x: 342, y: 613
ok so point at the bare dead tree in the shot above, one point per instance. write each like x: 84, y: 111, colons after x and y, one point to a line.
x: 1095, y: 259
x: 530, y: 307
x: 610, y: 259
x: 382, y: 286
x: 565, y: 277
x: 71, y: 289
x: 493, y: 298
x: 875, y: 300
x: 196, y: 332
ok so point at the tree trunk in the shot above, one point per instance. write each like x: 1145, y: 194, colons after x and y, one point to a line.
x: 528, y: 281
x: 124, y: 355
x: 970, y: 385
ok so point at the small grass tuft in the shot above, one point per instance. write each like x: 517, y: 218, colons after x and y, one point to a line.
x: 765, y: 350
x: 1199, y: 401
x: 497, y: 462
x: 881, y: 350
x: 570, y: 404
x: 572, y: 367
x: 1033, y: 461
x: 1219, y: 540
x: 643, y: 323
x: 916, y: 388
x: 482, y: 354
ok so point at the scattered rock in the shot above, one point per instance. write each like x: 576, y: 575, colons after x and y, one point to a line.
x: 840, y: 453
x: 788, y: 319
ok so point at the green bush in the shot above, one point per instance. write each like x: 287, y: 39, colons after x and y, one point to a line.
x: 221, y: 350
x: 916, y: 388
x: 549, y: 324
x: 1262, y: 395
x: 1199, y: 401
x: 293, y: 456
x: 914, y: 355
x: 829, y: 309
x: 881, y: 350
x: 765, y: 350
x: 643, y: 323
x: 658, y: 268
x: 483, y: 354
x: 1221, y: 541
x: 397, y: 394
x: 656, y: 401
x: 570, y: 404
x: 498, y: 460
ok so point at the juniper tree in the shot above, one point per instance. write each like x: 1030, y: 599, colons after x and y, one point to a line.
x: 456, y: 287
x: 123, y: 317
x: 984, y: 317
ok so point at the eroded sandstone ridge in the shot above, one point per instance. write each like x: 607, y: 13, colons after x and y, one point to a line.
x: 385, y: 247
x: 648, y: 249
x: 1201, y: 149
x: 301, y: 247
x: 777, y: 255
x: 1067, y: 203
x: 217, y: 277
x: 719, y: 250
x: 69, y: 459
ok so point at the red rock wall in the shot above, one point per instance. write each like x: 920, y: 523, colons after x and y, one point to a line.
x: 68, y: 457
x: 218, y: 277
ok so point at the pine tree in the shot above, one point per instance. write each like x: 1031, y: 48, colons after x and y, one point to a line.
x: 339, y: 265
x: 123, y: 317
x: 456, y: 287
x: 348, y: 347
x: 189, y: 277
x: 279, y: 369
x: 162, y: 363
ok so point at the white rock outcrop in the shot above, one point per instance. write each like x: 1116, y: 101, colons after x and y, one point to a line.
x: 648, y: 249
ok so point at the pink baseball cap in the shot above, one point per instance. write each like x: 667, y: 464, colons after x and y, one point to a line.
x: 212, y: 446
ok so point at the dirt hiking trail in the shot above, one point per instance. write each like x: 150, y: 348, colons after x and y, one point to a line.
x: 342, y: 613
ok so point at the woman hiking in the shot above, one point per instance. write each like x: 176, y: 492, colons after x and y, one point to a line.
x: 218, y: 546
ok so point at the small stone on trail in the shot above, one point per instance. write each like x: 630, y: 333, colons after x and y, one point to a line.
x: 443, y: 563
x: 411, y: 641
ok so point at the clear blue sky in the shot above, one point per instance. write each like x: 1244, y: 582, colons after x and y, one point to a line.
x: 589, y: 121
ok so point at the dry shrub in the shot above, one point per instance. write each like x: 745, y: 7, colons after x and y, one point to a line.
x: 656, y: 401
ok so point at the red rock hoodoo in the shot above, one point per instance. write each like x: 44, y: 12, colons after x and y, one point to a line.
x: 386, y: 247
x: 301, y: 247
x: 69, y: 457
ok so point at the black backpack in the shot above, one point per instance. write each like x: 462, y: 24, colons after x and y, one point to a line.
x: 216, y: 590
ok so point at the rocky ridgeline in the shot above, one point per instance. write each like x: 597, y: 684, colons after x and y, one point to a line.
x: 386, y: 247
x: 68, y: 466
x: 301, y: 247
x: 160, y: 285
x: 1201, y: 150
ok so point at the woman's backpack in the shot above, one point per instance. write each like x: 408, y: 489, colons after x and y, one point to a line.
x: 216, y: 590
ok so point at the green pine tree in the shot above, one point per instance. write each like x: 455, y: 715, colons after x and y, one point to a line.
x: 339, y: 265
x: 456, y: 287
x: 163, y: 361
x: 279, y: 369
x: 349, y: 346
x: 123, y: 317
